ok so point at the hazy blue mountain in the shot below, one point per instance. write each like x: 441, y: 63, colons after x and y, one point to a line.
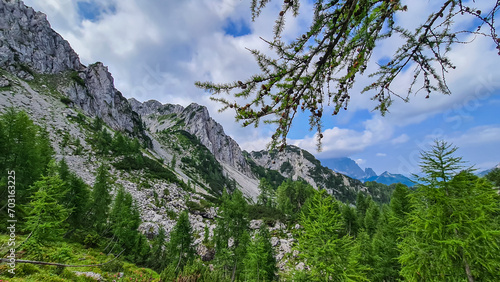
x: 484, y: 172
x: 388, y: 178
x: 369, y: 172
x: 345, y: 166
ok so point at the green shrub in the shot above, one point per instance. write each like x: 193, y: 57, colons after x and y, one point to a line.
x: 66, y: 100
x: 25, y: 269
x: 76, y: 78
x: 194, y: 206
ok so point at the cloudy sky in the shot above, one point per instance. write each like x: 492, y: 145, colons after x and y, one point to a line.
x: 157, y: 49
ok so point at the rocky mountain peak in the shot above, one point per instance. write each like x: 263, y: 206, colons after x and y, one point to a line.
x: 297, y: 164
x: 196, y: 120
x: 28, y: 42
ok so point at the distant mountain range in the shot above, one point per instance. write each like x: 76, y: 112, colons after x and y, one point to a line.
x: 350, y: 168
x: 484, y: 172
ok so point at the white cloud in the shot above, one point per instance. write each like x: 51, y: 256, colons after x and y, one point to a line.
x: 342, y: 142
x: 403, y: 138
x: 156, y: 50
x: 477, y: 136
x: 381, y: 155
x: 360, y: 162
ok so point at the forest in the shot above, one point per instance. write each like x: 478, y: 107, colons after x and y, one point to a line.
x: 447, y: 228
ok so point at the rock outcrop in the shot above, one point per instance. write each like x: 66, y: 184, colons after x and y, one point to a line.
x: 296, y: 164
x: 196, y: 120
x: 96, y: 94
x: 28, y: 42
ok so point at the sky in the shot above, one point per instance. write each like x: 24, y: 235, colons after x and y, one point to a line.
x: 157, y: 49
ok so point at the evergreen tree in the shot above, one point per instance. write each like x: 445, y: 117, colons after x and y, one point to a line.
x: 494, y: 177
x: 451, y: 233
x: 350, y: 220
x: 260, y: 263
x: 387, y: 237
x: 231, y: 234
x: 371, y: 217
x: 77, y: 198
x: 385, y: 250
x: 321, y: 246
x: 292, y: 195
x: 362, y: 204
x: 267, y: 194
x: 24, y: 148
x: 47, y: 215
x: 125, y: 220
x: 180, y: 249
x: 101, y: 199
x: 157, y: 260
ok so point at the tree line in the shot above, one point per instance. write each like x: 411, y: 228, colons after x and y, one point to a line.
x: 445, y: 229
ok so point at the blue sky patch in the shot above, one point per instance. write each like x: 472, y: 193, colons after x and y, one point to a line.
x: 92, y: 11
x: 236, y: 28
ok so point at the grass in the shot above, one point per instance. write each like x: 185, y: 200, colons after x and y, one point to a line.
x: 73, y: 254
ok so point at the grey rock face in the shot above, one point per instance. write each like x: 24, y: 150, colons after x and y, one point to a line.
x: 296, y: 163
x: 197, y: 121
x: 26, y: 39
x: 99, y: 98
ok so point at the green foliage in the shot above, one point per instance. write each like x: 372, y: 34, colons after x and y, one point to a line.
x: 320, y: 67
x: 380, y: 193
x: 272, y: 176
x: 124, y: 220
x: 203, y: 162
x: 494, y: 177
x: 291, y: 196
x: 329, y: 255
x: 260, y: 263
x: 180, y: 249
x: 24, y: 148
x: 101, y: 199
x: 267, y: 196
x: 232, y: 224
x: 47, y: 215
x: 439, y: 164
x: 452, y: 233
x: 66, y: 100
x: 76, y: 78
x: 77, y: 198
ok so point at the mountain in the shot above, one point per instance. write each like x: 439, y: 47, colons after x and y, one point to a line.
x: 166, y: 122
x: 187, y: 152
x: 484, y: 172
x: 345, y: 166
x: 297, y: 164
x: 350, y: 168
x: 390, y: 178
x: 369, y: 173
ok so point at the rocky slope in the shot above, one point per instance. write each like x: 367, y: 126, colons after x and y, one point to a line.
x: 195, y: 119
x: 296, y: 163
x: 42, y: 75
